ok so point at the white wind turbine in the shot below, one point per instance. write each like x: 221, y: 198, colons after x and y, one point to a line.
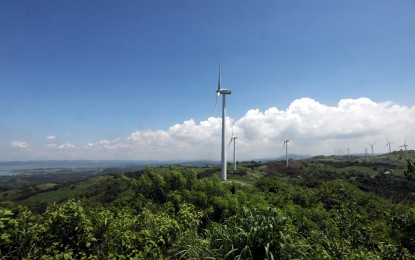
x: 348, y: 151
x: 371, y: 147
x: 233, y: 139
x: 224, y: 92
x: 286, y: 151
x: 388, y: 143
x: 404, y: 146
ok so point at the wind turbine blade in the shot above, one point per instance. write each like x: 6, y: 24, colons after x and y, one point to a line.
x: 216, y: 103
x: 230, y: 142
x: 219, y: 79
x: 218, y: 91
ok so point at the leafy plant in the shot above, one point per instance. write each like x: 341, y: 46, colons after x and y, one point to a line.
x: 254, y: 234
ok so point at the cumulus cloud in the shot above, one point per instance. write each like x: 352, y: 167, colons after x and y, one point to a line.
x: 67, y: 146
x: 20, y: 144
x: 312, y: 128
x: 186, y: 141
x: 50, y: 137
x: 315, y: 128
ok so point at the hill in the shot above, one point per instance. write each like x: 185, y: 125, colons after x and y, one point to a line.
x: 322, y: 207
x: 383, y: 175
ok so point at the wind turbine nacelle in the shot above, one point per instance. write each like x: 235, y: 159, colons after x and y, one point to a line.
x: 224, y: 91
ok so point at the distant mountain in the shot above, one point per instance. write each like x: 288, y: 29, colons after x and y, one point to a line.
x: 282, y: 157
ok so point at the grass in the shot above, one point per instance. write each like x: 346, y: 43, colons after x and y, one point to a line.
x: 70, y: 190
x: 46, y: 186
x: 358, y: 169
x: 250, y: 177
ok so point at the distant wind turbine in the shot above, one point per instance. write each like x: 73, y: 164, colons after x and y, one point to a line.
x: 233, y: 139
x: 404, y: 146
x: 224, y: 92
x: 286, y: 151
x: 388, y: 143
x: 348, y: 151
x: 371, y: 147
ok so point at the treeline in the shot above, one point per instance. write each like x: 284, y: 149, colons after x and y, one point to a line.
x: 174, y: 213
x: 40, y: 176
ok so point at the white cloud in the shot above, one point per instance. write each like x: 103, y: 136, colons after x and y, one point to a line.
x: 313, y: 128
x: 20, y: 144
x: 51, y: 138
x: 67, y: 146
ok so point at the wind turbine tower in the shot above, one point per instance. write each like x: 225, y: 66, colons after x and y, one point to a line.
x: 286, y: 151
x: 224, y: 92
x: 371, y: 147
x: 388, y: 143
x: 233, y: 139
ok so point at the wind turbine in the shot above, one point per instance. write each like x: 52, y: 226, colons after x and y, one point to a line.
x: 388, y: 144
x: 233, y: 139
x: 348, y: 151
x: 371, y: 147
x: 404, y: 146
x: 286, y: 151
x: 224, y: 92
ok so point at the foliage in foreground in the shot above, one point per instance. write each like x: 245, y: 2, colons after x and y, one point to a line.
x: 174, y: 214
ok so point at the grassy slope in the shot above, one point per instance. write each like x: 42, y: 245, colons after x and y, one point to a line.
x: 69, y: 191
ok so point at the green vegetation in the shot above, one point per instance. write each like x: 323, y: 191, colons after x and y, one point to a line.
x: 315, y: 209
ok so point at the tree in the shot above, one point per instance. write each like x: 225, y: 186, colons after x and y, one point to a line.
x: 410, y: 171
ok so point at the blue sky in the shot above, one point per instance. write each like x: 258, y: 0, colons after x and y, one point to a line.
x: 83, y: 79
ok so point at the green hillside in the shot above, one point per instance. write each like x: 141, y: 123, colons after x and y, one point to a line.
x: 319, y: 208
